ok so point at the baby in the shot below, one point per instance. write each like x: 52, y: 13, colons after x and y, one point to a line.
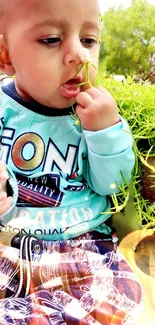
x: 63, y: 149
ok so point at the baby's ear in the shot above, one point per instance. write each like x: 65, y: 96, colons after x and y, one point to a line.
x: 5, y: 63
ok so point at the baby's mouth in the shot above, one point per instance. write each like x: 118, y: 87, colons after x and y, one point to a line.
x: 70, y: 88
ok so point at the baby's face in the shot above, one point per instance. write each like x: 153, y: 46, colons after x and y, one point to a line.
x: 44, y: 45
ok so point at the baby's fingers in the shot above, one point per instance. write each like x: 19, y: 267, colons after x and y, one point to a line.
x: 3, y: 172
x: 3, y: 196
x: 3, y: 177
x: 84, y: 99
x: 5, y: 204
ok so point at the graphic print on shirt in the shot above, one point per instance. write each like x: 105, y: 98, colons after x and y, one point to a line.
x: 28, y: 152
x: 41, y: 191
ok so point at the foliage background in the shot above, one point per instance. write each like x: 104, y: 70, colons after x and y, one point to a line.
x: 128, y: 39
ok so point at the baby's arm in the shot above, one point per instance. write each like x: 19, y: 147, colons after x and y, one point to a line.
x: 109, y: 141
x: 5, y: 201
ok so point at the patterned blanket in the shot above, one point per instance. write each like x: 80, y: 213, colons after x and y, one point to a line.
x: 76, y: 282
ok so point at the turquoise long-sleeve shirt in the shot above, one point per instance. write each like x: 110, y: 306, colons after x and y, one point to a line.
x: 61, y: 174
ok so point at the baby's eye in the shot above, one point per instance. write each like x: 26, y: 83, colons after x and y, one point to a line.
x: 50, y: 41
x: 89, y: 42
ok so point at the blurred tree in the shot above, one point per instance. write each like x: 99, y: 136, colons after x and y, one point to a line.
x: 128, y: 38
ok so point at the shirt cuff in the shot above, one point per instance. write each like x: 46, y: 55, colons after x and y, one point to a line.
x: 110, y: 141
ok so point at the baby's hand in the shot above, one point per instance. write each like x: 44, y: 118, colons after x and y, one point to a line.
x: 96, y: 109
x: 5, y: 202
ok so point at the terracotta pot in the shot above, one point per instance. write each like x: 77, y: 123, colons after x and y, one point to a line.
x: 139, y: 249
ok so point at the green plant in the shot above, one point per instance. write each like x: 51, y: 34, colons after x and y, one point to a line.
x: 136, y: 104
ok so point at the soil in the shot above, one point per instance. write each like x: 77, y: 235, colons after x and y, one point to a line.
x: 148, y: 182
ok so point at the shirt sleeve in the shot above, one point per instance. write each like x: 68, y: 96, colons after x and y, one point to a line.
x: 109, y: 153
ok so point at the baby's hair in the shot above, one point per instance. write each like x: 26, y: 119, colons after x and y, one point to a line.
x: 5, y: 13
x: 1, y: 13
x: 0, y: 8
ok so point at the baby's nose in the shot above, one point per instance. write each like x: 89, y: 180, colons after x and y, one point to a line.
x: 75, y: 53
x: 72, y: 57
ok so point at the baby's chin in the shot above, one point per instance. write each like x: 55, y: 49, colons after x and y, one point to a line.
x: 65, y: 103
x: 61, y: 103
x: 58, y: 106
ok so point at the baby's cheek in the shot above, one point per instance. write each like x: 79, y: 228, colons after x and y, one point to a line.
x: 93, y: 74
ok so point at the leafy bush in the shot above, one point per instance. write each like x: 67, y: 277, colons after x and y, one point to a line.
x: 127, y: 38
